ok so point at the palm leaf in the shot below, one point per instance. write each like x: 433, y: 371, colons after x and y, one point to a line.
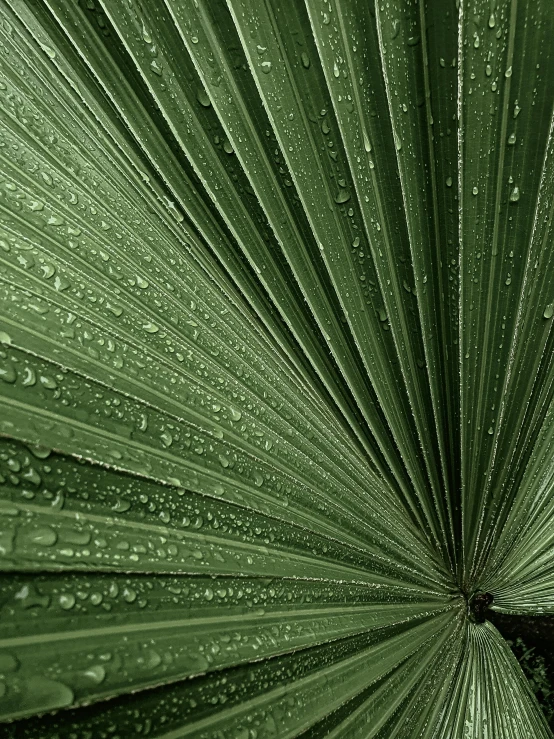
x: 276, y: 362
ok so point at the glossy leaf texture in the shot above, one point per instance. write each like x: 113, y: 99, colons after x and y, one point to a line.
x: 276, y: 377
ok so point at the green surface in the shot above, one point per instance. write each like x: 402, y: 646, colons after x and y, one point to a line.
x: 276, y: 366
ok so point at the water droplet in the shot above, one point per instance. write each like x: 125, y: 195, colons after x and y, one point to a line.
x: 146, y: 34
x: 43, y: 536
x: 508, y: 72
x: 305, y: 60
x: 48, y: 382
x: 449, y: 182
x: 167, y: 439
x: 511, y: 139
x: 549, y: 311
x: 266, y: 67
x: 49, y: 51
x: 151, y: 328
x: 152, y: 660
x: 67, y: 601
x: 121, y: 505
x: 7, y: 372
x: 514, y: 195
x: 43, y: 694
x: 96, y: 673
x: 475, y: 190
x: 48, y: 270
x: 492, y: 20
x: 367, y: 142
x: 129, y: 595
x: 6, y: 541
x: 156, y: 68
x: 336, y: 71
x: 343, y: 196
x: 202, y: 97
x: 5, y: 338
x: 236, y: 415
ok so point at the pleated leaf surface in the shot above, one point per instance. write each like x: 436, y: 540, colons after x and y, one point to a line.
x: 276, y: 378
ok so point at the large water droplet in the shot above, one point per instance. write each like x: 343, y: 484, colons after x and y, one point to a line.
x: 343, y: 196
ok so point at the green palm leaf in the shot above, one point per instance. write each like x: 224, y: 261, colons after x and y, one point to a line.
x: 276, y: 367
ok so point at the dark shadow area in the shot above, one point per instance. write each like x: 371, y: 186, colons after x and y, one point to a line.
x: 531, y: 639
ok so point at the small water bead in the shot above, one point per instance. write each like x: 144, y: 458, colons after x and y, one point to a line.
x: 151, y: 328
x: 8, y: 372
x: 305, y: 60
x: 156, y: 68
x: 49, y: 51
x: 129, y: 595
x: 511, y: 139
x: 121, y: 505
x: 147, y: 37
x: 266, y: 67
x: 67, y: 601
x: 549, y: 311
x: 514, y: 195
x: 203, y: 99
x: 97, y: 673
